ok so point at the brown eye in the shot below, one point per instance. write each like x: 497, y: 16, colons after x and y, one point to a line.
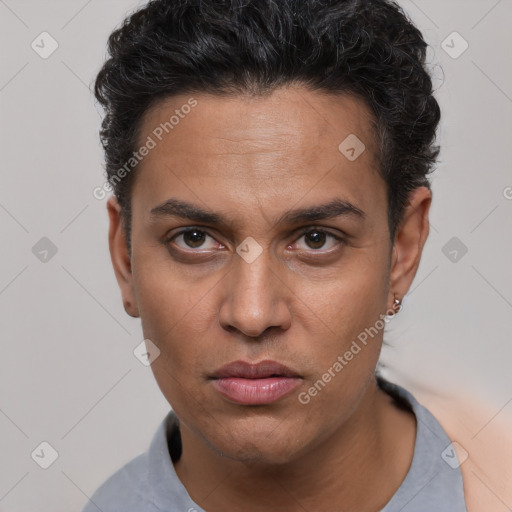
x: 316, y: 239
x: 194, y: 238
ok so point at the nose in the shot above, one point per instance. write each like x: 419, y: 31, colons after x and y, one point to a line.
x: 255, y: 298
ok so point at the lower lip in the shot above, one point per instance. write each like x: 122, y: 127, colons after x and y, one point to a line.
x: 255, y: 391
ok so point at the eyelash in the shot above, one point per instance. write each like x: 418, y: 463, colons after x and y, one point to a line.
x: 309, y: 229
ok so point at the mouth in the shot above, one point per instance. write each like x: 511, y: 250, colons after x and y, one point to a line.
x: 255, y: 384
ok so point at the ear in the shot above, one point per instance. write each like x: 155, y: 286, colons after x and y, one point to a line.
x: 120, y: 256
x: 408, y: 244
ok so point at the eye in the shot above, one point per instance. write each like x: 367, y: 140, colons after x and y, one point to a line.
x: 193, y: 238
x: 318, y: 239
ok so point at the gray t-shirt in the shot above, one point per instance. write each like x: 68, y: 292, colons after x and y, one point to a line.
x: 149, y: 483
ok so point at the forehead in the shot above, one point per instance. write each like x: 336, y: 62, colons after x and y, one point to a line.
x: 291, y: 143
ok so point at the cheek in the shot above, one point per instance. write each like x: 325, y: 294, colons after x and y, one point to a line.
x: 171, y: 317
x: 347, y: 300
x: 173, y: 313
x: 342, y: 314
x: 165, y: 295
x: 343, y: 360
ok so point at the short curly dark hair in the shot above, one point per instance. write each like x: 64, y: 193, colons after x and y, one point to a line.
x: 369, y: 48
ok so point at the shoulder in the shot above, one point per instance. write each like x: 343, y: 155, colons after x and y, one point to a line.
x: 148, y: 483
x: 483, y: 442
x: 126, y: 489
x: 132, y: 488
x: 434, y: 480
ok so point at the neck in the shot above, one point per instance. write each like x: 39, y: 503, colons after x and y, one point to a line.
x: 373, y: 450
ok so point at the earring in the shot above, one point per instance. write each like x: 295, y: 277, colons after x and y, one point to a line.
x: 394, y: 309
x: 397, y: 305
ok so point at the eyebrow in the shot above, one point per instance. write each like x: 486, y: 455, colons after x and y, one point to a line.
x: 182, y: 209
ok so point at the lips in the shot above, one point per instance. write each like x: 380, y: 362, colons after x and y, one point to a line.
x: 261, y: 370
x: 255, y: 384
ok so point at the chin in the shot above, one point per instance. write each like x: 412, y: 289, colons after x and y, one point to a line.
x: 274, y: 445
x: 258, y: 454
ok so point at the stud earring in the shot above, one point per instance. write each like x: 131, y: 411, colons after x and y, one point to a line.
x: 397, y: 305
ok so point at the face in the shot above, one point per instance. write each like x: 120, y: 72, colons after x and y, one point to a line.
x: 255, y: 238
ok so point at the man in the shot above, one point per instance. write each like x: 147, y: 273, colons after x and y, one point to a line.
x: 269, y: 164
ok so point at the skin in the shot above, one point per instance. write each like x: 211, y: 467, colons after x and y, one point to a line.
x: 301, y: 302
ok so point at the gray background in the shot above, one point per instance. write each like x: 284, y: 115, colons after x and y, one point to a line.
x: 68, y: 375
